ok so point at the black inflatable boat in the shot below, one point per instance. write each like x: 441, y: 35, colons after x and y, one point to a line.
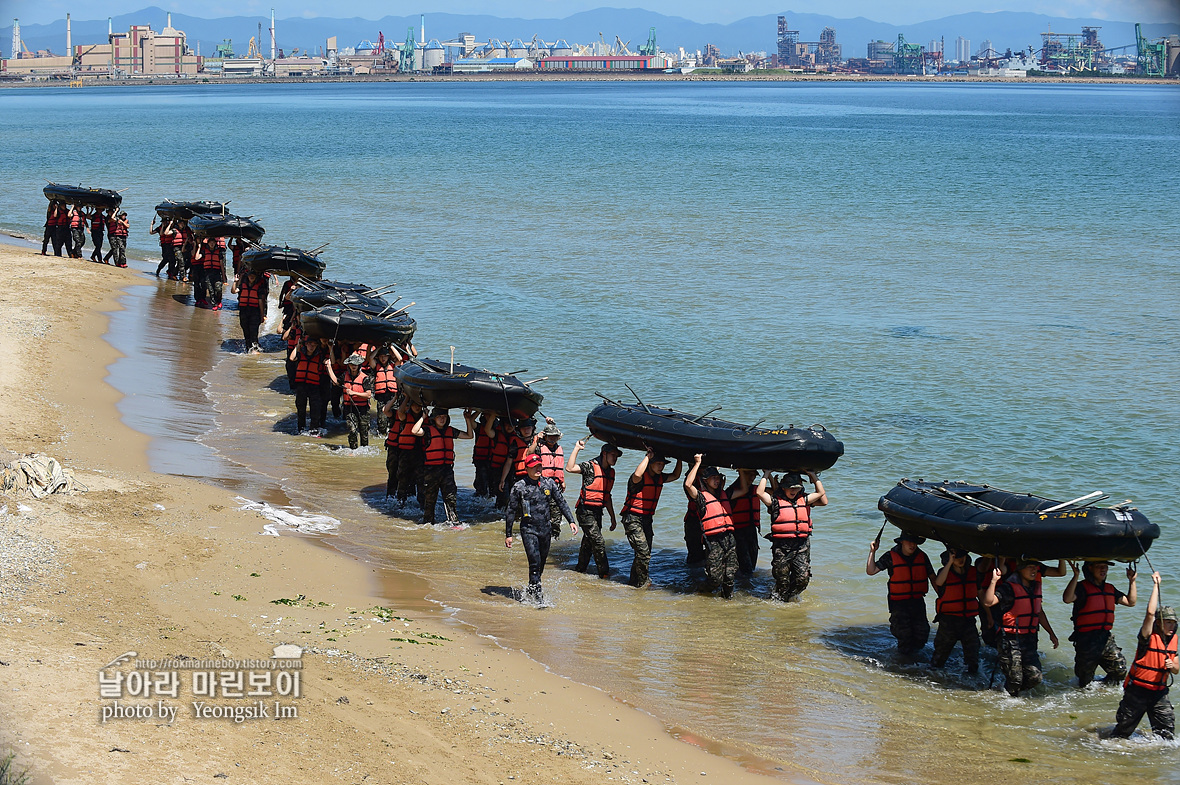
x: 225, y: 226
x: 186, y: 210
x: 680, y: 435
x: 351, y: 295
x: 77, y: 194
x: 283, y: 261
x: 989, y: 521
x: 345, y: 324
x: 435, y: 383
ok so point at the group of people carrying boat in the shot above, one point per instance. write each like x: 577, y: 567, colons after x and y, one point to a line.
x: 347, y: 349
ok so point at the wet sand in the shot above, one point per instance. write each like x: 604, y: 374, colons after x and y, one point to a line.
x: 164, y: 566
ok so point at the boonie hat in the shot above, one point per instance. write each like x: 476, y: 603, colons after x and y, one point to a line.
x: 1167, y: 613
x: 1027, y: 563
x: 916, y: 539
x: 791, y: 480
x: 437, y: 410
x: 551, y: 430
x: 608, y: 447
x: 532, y: 460
x: 710, y: 471
x: 355, y: 359
x: 383, y: 349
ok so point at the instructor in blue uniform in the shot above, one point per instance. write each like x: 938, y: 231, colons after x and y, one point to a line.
x: 529, y: 501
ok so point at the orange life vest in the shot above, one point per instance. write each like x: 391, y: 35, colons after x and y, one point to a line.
x: 97, y: 222
x: 384, y: 382
x: 353, y: 388
x: 1148, y: 670
x: 959, y: 596
x: 481, y: 451
x: 552, y: 463
x: 597, y: 491
x: 643, y: 500
x: 718, y: 515
x: 250, y: 294
x: 1024, y: 616
x: 746, y: 510
x: 500, y: 446
x: 792, y: 519
x: 308, y: 367
x: 909, y: 579
x: 440, y: 446
x: 406, y: 440
x: 517, y: 447
x: 77, y: 220
x: 1097, y: 613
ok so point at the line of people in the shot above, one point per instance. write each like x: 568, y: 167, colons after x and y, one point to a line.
x: 1006, y: 597
x: 200, y: 261
x: 65, y: 229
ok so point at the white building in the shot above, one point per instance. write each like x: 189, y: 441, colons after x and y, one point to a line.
x: 962, y: 49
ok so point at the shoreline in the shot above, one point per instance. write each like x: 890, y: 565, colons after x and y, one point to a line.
x: 100, y: 81
x: 179, y: 571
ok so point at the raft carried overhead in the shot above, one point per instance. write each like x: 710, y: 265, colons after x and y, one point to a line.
x: 186, y: 210
x: 77, y: 194
x: 993, y: 522
x: 283, y: 261
x: 434, y: 383
x: 225, y: 226
x: 350, y: 295
x: 341, y: 323
x: 680, y: 435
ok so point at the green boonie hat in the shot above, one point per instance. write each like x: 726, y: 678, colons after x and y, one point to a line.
x: 1167, y: 613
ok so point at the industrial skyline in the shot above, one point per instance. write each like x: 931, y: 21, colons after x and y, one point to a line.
x: 703, y: 11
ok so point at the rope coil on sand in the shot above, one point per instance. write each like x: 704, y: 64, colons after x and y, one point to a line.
x: 39, y: 475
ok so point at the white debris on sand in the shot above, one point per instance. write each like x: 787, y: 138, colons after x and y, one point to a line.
x: 39, y: 475
x: 291, y: 517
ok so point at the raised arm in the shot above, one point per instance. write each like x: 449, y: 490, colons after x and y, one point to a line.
x: 675, y: 473
x: 637, y: 475
x: 989, y: 598
x: 818, y: 497
x: 690, y: 479
x: 1152, y: 607
x: 469, y: 418
x: 571, y: 465
x: 761, y: 493
x: 419, y: 429
x: 1132, y: 594
x: 1070, y: 595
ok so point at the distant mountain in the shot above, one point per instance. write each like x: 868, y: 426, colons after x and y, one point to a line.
x: 757, y: 33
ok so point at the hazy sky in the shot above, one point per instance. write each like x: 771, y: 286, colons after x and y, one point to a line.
x: 890, y: 11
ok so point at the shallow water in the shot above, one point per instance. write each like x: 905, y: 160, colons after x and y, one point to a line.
x: 969, y: 281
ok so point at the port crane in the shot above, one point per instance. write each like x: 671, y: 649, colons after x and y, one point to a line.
x: 252, y: 52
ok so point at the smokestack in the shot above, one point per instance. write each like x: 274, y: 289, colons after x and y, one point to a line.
x: 110, y: 29
x: 272, y: 34
x: 69, y: 41
x: 15, y: 39
x: 423, y: 30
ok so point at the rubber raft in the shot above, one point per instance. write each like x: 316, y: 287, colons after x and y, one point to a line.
x: 434, y: 383
x: 351, y: 295
x: 186, y: 210
x: 680, y: 435
x: 283, y: 261
x: 340, y: 323
x: 77, y: 194
x: 226, y: 226
x: 993, y: 522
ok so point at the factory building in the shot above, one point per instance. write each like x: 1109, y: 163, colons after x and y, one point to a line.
x: 139, y: 52
x: 483, y: 66
x: 604, y: 63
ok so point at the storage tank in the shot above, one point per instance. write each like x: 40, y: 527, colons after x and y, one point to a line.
x: 518, y: 48
x: 498, y: 48
x: 417, y: 58
x: 562, y: 49
x: 432, y: 55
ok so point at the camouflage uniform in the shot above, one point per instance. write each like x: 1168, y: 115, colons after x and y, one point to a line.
x: 528, y: 500
x: 638, y: 529
x: 720, y: 562
x: 1094, y: 649
x: 952, y: 630
x: 790, y: 563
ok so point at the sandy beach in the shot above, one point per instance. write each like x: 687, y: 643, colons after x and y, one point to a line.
x: 164, y: 567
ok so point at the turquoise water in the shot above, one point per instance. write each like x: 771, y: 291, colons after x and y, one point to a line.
x: 962, y: 281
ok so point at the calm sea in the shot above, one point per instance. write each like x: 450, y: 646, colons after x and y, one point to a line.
x: 961, y: 281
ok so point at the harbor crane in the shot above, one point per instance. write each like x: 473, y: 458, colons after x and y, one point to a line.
x: 406, y: 62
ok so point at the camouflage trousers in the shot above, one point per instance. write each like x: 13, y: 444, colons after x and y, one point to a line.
x: 357, y: 420
x: 790, y: 563
x: 436, y: 479
x: 745, y: 540
x: 1020, y: 662
x: 720, y: 563
x: 409, y: 475
x: 908, y: 623
x: 1138, y: 701
x: 1094, y: 649
x: 590, y: 522
x: 639, y: 533
x: 953, y: 630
